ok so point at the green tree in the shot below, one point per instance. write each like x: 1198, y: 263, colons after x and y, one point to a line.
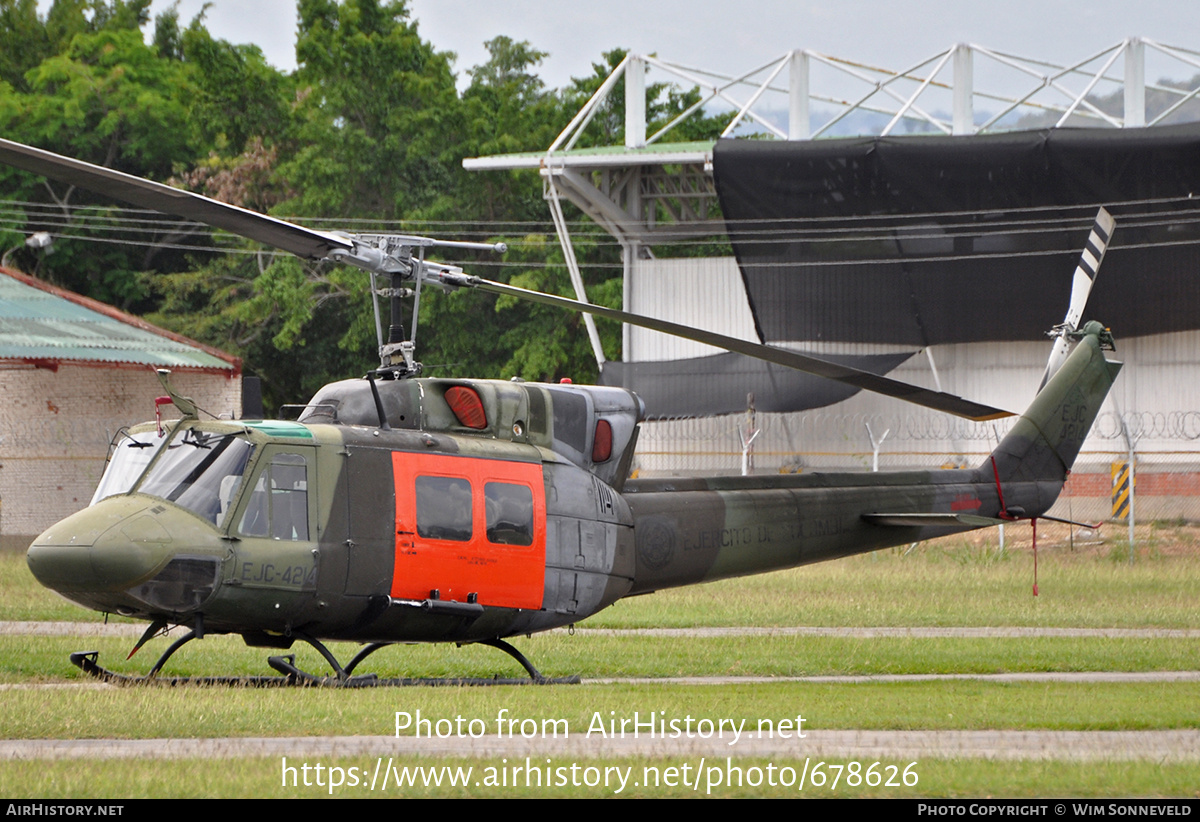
x: 507, y: 109
x: 368, y: 134
x: 103, y: 96
x: 376, y: 102
x: 24, y: 41
x: 368, y: 141
x: 239, y: 97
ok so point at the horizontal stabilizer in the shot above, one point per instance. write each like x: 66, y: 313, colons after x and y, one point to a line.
x: 932, y: 520
x: 951, y: 520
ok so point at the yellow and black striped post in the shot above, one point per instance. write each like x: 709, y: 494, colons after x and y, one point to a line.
x: 1121, y: 488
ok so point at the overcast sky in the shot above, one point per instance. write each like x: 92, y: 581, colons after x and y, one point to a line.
x: 735, y: 36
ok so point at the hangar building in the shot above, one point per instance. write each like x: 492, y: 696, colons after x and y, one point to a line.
x: 933, y: 235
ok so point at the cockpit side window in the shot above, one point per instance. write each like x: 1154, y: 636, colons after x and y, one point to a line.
x: 278, y: 505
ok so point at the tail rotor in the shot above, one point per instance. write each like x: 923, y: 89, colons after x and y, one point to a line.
x: 1081, y: 287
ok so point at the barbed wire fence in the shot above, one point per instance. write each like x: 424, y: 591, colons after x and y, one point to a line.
x: 1161, y: 450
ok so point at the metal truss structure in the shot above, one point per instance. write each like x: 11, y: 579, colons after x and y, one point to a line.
x: 651, y: 191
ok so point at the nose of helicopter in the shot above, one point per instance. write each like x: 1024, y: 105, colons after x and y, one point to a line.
x: 106, y: 548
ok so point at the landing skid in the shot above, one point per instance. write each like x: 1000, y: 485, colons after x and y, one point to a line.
x: 87, y: 662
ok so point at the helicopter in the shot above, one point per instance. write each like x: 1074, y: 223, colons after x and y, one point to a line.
x: 400, y: 509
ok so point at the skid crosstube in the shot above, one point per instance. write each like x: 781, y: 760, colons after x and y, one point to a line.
x: 292, y: 676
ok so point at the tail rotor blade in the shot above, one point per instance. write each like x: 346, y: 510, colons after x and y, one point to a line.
x: 1081, y: 287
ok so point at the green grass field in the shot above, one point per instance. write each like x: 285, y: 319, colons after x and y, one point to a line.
x: 953, y: 583
x: 260, y: 777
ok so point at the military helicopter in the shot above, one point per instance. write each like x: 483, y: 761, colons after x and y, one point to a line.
x: 401, y: 509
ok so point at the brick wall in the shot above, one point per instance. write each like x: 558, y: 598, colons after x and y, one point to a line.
x: 1163, y: 490
x: 55, y: 427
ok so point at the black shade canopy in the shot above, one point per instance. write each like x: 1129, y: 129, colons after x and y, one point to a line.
x: 927, y: 240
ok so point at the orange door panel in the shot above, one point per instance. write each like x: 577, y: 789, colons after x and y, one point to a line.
x: 468, y: 526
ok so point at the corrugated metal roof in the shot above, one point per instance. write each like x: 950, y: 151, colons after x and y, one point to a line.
x: 39, y: 322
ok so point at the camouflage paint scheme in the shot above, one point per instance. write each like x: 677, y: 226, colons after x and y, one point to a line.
x: 596, y: 537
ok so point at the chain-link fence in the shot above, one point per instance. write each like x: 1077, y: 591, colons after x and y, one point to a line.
x: 1147, y: 464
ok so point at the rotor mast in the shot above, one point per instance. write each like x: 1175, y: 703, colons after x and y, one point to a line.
x: 402, y: 258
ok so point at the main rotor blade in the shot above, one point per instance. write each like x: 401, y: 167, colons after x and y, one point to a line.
x: 936, y: 400
x: 301, y: 241
x: 1081, y: 287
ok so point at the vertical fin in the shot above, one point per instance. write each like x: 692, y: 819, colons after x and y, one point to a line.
x: 1046, y: 440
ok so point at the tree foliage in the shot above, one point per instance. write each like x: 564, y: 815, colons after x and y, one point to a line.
x: 369, y: 131
x: 376, y: 108
x: 102, y: 95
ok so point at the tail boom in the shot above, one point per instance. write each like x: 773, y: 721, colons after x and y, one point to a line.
x: 692, y: 530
